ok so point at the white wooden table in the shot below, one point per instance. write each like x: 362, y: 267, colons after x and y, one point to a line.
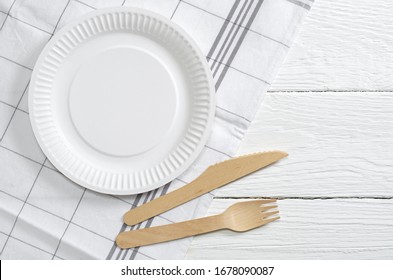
x: 331, y: 109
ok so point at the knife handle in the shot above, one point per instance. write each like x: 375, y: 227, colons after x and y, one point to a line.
x: 153, y: 235
x: 164, y: 203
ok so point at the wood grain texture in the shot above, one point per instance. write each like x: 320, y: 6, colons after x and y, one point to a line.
x: 342, y: 45
x: 336, y: 184
x: 339, y: 145
x: 308, y: 229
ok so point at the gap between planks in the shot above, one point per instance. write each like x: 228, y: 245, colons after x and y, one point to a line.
x: 329, y: 91
x: 305, y: 198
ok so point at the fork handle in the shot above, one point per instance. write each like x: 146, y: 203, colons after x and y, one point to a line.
x: 147, y: 236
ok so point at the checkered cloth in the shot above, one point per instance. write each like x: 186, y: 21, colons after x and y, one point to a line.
x: 46, y: 216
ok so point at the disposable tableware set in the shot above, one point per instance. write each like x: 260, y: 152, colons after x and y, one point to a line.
x: 122, y: 101
x: 240, y: 217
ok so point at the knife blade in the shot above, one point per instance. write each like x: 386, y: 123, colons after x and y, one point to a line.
x: 213, y: 177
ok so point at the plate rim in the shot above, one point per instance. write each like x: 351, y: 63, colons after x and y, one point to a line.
x: 211, y: 112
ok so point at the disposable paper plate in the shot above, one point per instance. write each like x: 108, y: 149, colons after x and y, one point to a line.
x: 121, y: 101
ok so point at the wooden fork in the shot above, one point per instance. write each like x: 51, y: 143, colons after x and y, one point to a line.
x: 239, y: 217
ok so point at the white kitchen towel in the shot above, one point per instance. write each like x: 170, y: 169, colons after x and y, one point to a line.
x: 43, y: 215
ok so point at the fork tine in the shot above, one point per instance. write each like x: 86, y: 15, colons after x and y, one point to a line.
x: 266, y: 221
x: 256, y: 203
x: 264, y: 208
x: 264, y: 201
x: 268, y: 214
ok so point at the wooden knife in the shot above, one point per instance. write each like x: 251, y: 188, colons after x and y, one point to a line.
x: 213, y: 177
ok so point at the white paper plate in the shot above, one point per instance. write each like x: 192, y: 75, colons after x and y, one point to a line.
x: 121, y: 101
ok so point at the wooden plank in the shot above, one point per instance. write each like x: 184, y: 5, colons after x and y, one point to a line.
x: 342, y: 45
x: 308, y: 229
x: 339, y: 145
